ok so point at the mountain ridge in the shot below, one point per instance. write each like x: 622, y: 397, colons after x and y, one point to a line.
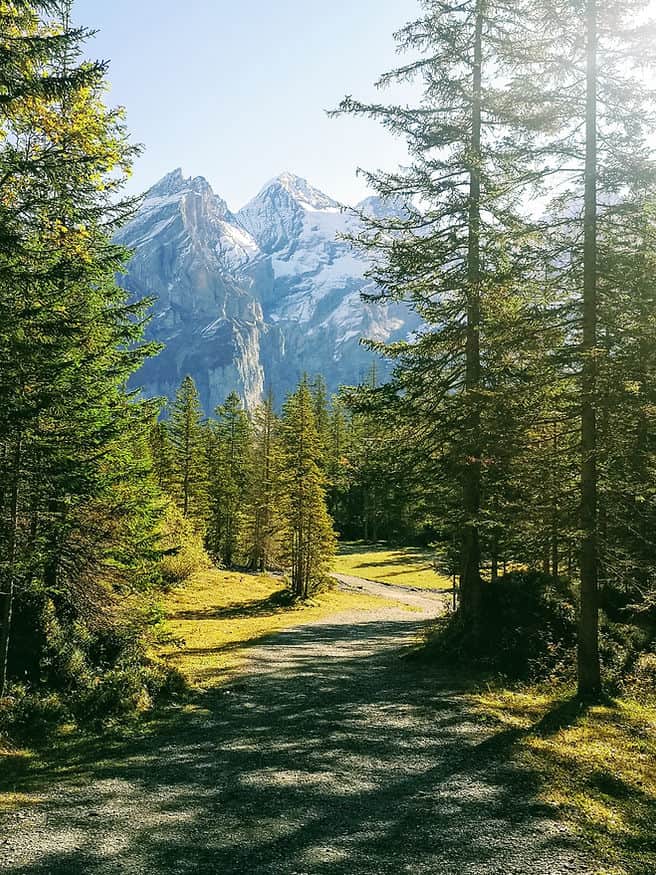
x: 256, y: 297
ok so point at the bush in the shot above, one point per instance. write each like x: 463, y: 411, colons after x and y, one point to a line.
x: 623, y: 647
x: 90, y: 669
x: 643, y: 678
x: 528, y: 631
x: 30, y: 715
x: 119, y: 692
x: 182, y: 545
x: 80, y: 653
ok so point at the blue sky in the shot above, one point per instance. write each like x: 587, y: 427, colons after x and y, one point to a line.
x: 236, y: 90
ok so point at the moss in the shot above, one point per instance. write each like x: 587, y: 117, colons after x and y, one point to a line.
x: 596, y: 766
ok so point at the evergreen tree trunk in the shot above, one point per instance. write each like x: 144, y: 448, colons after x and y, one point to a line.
x: 187, y: 470
x: 8, y: 586
x: 589, y: 681
x: 555, y: 533
x: 265, y: 523
x: 470, y: 593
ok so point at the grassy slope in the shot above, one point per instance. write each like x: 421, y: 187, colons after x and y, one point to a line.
x: 403, y: 566
x: 597, y: 766
x: 220, y: 614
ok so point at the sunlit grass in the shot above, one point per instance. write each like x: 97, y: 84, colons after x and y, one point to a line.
x: 16, y: 801
x: 11, y: 800
x: 219, y: 614
x: 596, y: 766
x: 402, y: 566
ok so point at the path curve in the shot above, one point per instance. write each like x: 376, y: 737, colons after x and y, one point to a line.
x: 431, y: 602
x: 328, y: 755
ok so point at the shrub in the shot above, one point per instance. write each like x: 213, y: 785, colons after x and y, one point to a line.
x: 528, y: 631
x: 622, y: 647
x: 91, y: 669
x: 182, y: 545
x: 643, y: 679
x: 30, y: 715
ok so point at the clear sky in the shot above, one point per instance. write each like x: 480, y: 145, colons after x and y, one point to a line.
x: 236, y: 90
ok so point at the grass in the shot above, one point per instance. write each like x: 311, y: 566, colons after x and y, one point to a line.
x: 402, y: 566
x: 595, y: 765
x: 219, y: 615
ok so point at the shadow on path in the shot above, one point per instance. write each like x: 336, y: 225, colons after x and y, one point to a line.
x: 330, y: 755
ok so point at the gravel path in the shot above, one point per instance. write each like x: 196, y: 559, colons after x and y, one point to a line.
x: 328, y: 754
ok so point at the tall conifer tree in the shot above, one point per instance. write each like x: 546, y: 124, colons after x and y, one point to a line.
x: 264, y: 494
x: 459, y: 254
x: 597, y: 152
x: 229, y: 461
x: 69, y: 339
x: 309, y: 540
x: 188, y: 440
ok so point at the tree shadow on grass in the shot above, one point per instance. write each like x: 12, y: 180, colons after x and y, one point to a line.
x: 277, y: 602
x: 348, y: 548
x: 331, y: 756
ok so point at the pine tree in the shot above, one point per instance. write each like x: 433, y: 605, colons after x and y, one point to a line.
x: 162, y: 453
x: 627, y: 390
x: 264, y: 494
x: 459, y: 253
x: 229, y: 460
x: 321, y: 412
x: 597, y: 144
x: 69, y: 338
x: 338, y: 464
x: 187, y: 435
x: 309, y: 539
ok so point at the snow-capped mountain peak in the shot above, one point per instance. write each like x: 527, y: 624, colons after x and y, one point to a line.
x: 175, y: 186
x: 381, y: 208
x: 308, y: 197
x: 172, y: 183
x: 254, y: 297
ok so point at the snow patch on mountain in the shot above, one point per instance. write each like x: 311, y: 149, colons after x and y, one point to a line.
x: 258, y: 296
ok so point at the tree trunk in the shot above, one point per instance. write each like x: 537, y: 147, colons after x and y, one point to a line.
x: 555, y: 515
x: 9, y: 582
x: 589, y: 680
x: 555, y: 556
x: 470, y: 595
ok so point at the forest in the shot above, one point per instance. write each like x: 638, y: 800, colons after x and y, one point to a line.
x: 514, y: 443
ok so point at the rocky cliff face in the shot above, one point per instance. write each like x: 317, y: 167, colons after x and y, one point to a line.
x: 254, y: 298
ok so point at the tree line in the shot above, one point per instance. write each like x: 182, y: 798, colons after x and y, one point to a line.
x: 269, y: 491
x: 254, y: 485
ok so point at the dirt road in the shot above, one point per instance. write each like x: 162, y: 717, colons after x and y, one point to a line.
x: 328, y: 754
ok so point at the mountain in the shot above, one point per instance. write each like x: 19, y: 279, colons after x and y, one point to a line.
x: 254, y: 298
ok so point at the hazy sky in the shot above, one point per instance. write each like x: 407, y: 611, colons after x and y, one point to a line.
x: 236, y: 90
